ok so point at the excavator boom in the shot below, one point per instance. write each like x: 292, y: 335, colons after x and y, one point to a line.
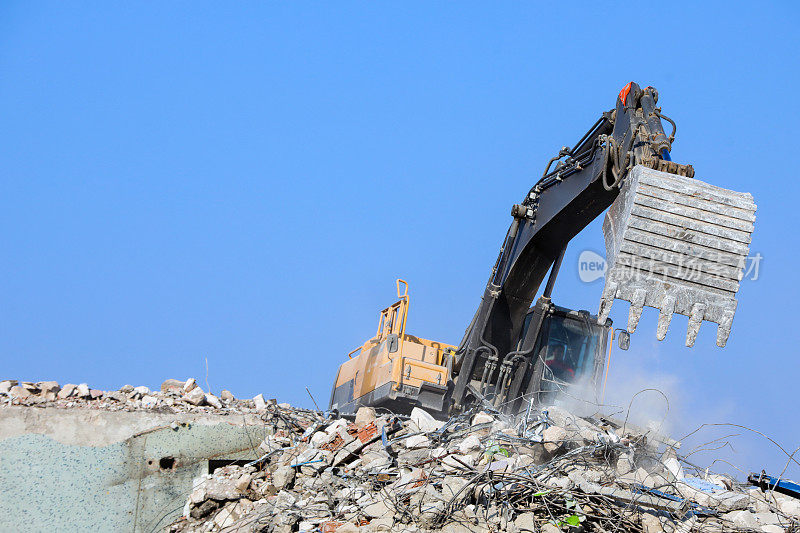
x: 627, y: 142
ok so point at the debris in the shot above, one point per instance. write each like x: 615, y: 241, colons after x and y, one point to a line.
x: 172, y: 385
x: 260, y: 403
x: 18, y: 391
x: 189, y: 385
x: 365, y: 415
x: 196, y: 396
x: 170, y: 397
x: 48, y: 389
x: 553, y: 438
x: 82, y: 391
x: 67, y: 391
x: 417, y: 441
x: 476, y: 472
x: 213, y: 401
x: 784, y: 486
x: 388, y: 473
x: 282, y: 477
x: 5, y: 386
x: 424, y: 420
x: 742, y: 519
x: 148, y: 402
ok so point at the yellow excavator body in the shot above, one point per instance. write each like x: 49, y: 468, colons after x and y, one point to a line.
x: 394, y: 370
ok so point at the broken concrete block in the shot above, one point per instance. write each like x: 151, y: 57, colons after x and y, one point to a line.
x: 417, y: 441
x: 189, y: 385
x: 48, y: 388
x: 731, y: 501
x: 67, y: 390
x: 213, y: 401
x: 765, y: 518
x: 261, y: 404
x: 198, y: 495
x: 127, y: 389
x: 742, y: 519
x: 148, y: 402
x: 377, y: 510
x: 652, y: 523
x: 226, y: 396
x: 173, y: 385
x: 526, y: 522
x: 30, y: 386
x: 424, y: 420
x: 335, y: 426
x: 456, y: 462
x: 625, y: 464
x: 204, y: 509
x: 222, y: 489
x: 452, y: 486
x: 5, y: 385
x: 116, y: 396
x: 141, y: 390
x: 482, y: 418
x: 365, y: 415
x: 553, y: 438
x: 18, y: 391
x: 95, y: 394
x: 674, y: 467
x: 789, y: 506
x: 224, y: 518
x: 722, y: 481
x: 380, y: 525
x: 469, y: 444
x: 196, y: 396
x: 243, y: 482
x: 82, y: 391
x: 282, y: 477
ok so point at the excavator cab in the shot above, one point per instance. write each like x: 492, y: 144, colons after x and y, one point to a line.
x: 565, y: 353
x: 571, y: 350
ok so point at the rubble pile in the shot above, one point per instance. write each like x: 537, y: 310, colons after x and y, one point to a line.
x: 174, y: 397
x: 546, y: 470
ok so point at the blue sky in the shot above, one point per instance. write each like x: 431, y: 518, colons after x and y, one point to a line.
x: 243, y: 183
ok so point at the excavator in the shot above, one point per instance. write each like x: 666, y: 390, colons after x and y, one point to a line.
x: 673, y: 242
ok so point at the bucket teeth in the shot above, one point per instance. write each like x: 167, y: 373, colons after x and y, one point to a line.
x: 724, y: 328
x: 665, y: 317
x: 635, y: 312
x: 679, y: 245
x: 606, y: 301
x: 695, y: 319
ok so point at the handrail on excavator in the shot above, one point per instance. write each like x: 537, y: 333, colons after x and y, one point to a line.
x: 405, y: 294
x: 350, y: 355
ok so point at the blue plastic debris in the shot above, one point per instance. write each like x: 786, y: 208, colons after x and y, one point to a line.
x: 701, y: 484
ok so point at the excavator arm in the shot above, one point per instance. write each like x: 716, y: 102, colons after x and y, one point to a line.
x: 577, y: 185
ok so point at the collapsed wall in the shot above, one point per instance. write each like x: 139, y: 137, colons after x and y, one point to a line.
x: 74, y: 458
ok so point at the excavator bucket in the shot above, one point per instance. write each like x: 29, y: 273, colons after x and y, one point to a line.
x: 679, y: 245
